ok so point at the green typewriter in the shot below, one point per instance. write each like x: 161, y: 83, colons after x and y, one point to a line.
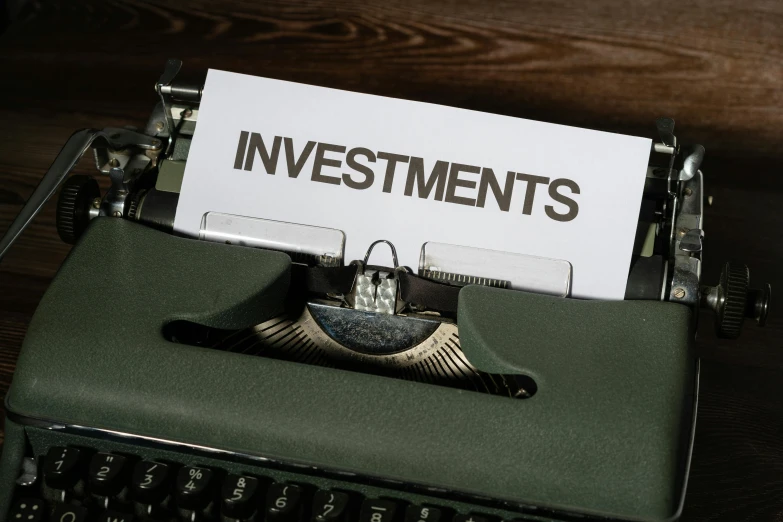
x: 166, y: 378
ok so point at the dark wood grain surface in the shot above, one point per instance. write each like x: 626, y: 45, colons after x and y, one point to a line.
x: 715, y: 66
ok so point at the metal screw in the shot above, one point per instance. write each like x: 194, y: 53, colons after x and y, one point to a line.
x: 688, y: 192
x: 159, y: 126
x: 117, y: 213
x: 96, y: 203
x: 156, y: 143
x: 187, y: 113
x: 682, y: 232
x: 114, y: 163
x: 678, y: 293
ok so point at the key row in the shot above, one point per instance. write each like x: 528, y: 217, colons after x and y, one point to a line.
x: 35, y: 510
x: 169, y: 490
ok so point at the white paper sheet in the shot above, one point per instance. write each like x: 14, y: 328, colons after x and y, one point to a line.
x: 593, y: 229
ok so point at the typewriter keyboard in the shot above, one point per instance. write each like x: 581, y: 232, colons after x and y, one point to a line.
x: 76, y: 478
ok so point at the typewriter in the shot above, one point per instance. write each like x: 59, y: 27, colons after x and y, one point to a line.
x: 264, y: 378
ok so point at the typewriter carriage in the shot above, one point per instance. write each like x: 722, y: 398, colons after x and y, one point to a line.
x: 146, y: 168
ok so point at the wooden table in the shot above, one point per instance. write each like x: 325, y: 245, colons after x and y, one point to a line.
x: 714, y: 66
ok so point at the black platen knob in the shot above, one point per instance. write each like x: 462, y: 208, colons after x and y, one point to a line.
x: 73, y: 206
x: 732, y: 300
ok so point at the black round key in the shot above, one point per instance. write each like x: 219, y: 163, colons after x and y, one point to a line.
x: 107, y: 474
x: 378, y: 510
x: 28, y: 510
x: 150, y: 481
x: 62, y: 467
x: 283, y: 503
x: 240, y: 496
x: 194, y: 487
x: 113, y: 516
x: 68, y: 513
x: 329, y: 506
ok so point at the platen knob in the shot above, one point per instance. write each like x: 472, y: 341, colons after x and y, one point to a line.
x: 734, y: 284
x: 733, y: 300
x: 73, y: 206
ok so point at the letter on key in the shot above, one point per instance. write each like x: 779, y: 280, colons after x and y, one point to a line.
x: 378, y: 510
x: 106, y: 474
x: 240, y: 496
x: 62, y: 467
x: 68, y: 513
x: 194, y: 487
x: 283, y: 503
x: 329, y: 506
x: 422, y: 514
x: 151, y: 481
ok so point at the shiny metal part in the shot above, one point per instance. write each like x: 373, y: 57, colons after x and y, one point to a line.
x: 469, y: 265
x: 412, y: 347
x: 156, y: 124
x: 163, y: 88
x: 691, y: 240
x: 29, y: 474
x: 692, y: 162
x: 462, y: 280
x: 111, y: 138
x: 114, y: 202
x: 391, y: 246
x: 375, y: 291
x: 686, y: 247
x: 663, y: 148
x: 177, y: 118
x: 170, y: 71
x: 184, y: 118
x: 761, y: 300
x: 322, y: 246
x: 665, y: 128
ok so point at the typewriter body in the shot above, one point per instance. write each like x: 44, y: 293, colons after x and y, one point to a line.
x: 171, y: 378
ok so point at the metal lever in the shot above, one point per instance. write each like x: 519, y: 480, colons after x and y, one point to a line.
x: 69, y: 156
x: 170, y: 71
x: 665, y: 128
x: 692, y: 162
x: 691, y: 241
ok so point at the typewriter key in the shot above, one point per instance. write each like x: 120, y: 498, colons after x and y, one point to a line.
x: 107, y: 473
x: 68, y: 513
x: 150, y: 481
x: 113, y: 516
x: 378, y: 510
x: 240, y: 496
x: 194, y: 487
x: 28, y: 510
x: 62, y: 467
x: 423, y: 514
x: 329, y: 506
x: 283, y: 503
